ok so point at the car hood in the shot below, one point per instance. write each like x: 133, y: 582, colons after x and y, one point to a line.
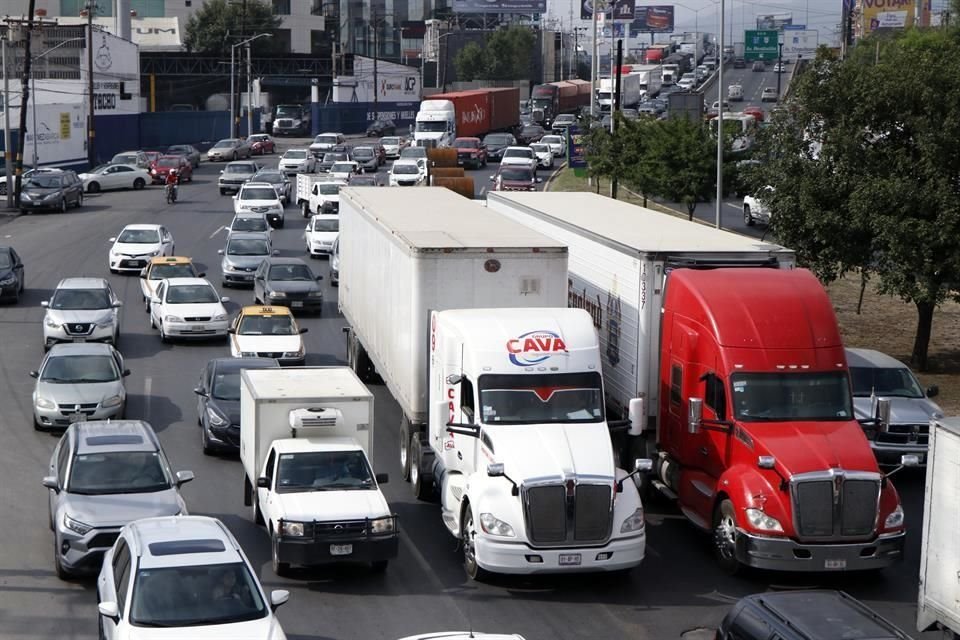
x: 267, y: 628
x: 116, y: 510
x: 902, y: 410
x: 801, y: 447
x: 294, y: 286
x: 137, y: 249
x: 195, y: 310
x: 238, y: 175
x: 228, y: 408
x: 562, y: 450
x: 70, y: 316
x: 365, y: 160
x: 268, y: 343
x: 40, y: 191
x: 244, y: 262
x: 79, y: 393
x: 296, y: 161
x: 259, y: 203
x: 333, y: 505
x: 517, y: 161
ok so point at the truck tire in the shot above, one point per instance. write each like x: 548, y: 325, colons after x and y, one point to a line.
x: 467, y: 533
x: 279, y: 568
x: 725, y: 537
x: 247, y: 492
x: 421, y: 457
x: 257, y: 515
x: 305, y: 209
x: 359, y: 361
x: 405, y: 448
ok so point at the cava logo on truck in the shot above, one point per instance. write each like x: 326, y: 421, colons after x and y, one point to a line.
x: 535, y: 347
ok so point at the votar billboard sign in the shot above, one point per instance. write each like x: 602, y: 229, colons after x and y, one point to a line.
x: 886, y: 14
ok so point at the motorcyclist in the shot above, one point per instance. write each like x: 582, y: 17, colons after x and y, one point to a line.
x: 173, y: 179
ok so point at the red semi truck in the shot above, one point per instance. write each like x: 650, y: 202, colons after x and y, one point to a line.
x: 444, y: 117
x: 551, y: 99
x: 728, y: 365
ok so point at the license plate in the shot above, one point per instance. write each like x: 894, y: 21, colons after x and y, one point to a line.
x: 79, y: 339
x: 195, y: 328
x: 834, y: 564
x: 341, y: 549
x: 296, y: 304
x: 569, y: 559
x: 77, y: 417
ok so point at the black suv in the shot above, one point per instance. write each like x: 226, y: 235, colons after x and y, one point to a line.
x: 52, y: 190
x: 805, y: 615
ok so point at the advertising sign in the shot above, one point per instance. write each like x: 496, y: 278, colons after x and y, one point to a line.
x: 761, y: 44
x: 576, y: 150
x: 115, y: 61
x: 774, y: 21
x: 887, y: 14
x: 800, y: 43
x: 499, y: 6
x: 656, y: 19
x: 60, y: 136
x: 618, y: 9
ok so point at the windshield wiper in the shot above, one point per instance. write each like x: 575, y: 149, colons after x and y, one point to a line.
x: 155, y: 623
x: 91, y: 380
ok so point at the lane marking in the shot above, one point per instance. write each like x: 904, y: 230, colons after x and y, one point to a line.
x: 222, y: 228
x: 738, y: 207
x: 147, y: 389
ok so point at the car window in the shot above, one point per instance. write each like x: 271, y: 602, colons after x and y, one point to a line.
x: 80, y: 299
x: 121, y: 572
x: 79, y: 369
x: 266, y: 326
x: 63, y: 456
x: 116, y: 472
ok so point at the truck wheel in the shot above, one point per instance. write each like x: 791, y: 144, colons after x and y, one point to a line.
x: 467, y: 533
x: 257, y: 514
x: 725, y: 537
x: 405, y: 448
x: 420, y: 478
x: 747, y: 216
x: 279, y: 568
x: 305, y: 209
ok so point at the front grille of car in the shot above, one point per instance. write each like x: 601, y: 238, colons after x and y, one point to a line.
x: 338, y: 529
x: 269, y: 354
x: 565, y: 514
x: 260, y: 209
x: 913, y: 434
x: 104, y: 539
x: 232, y: 181
x: 78, y: 328
x: 197, y: 319
x: 835, y: 504
x: 86, y: 409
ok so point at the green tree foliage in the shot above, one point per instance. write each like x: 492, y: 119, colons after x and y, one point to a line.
x: 219, y: 23
x: 470, y: 62
x: 506, y: 55
x: 680, y: 161
x: 865, y: 165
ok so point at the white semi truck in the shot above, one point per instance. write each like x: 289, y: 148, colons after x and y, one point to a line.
x: 938, y: 604
x: 499, y: 384
x: 306, y: 436
x: 629, y: 92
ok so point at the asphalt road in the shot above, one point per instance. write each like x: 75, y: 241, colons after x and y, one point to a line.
x: 676, y: 590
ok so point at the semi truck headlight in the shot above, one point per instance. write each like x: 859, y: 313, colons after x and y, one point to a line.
x: 633, y: 522
x: 382, y: 525
x: 293, y: 529
x: 762, y: 522
x: 895, y: 519
x: 495, y: 526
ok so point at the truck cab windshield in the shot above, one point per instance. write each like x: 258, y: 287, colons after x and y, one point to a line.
x: 322, y: 471
x: 538, y: 399
x: 438, y: 126
x: 788, y: 397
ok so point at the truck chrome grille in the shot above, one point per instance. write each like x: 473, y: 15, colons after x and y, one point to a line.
x: 835, y: 504
x: 570, y: 514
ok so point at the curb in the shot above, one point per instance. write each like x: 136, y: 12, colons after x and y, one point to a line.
x: 553, y: 176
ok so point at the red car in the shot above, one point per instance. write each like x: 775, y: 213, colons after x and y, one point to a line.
x: 470, y: 151
x: 261, y: 144
x: 163, y: 165
x: 756, y: 112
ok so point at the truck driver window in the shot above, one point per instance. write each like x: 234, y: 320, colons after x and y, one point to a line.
x: 271, y: 460
x: 676, y: 379
x: 467, y: 404
x: 715, y: 396
x: 538, y: 399
x: 781, y: 397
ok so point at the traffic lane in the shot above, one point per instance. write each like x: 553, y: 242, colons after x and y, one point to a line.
x: 753, y: 83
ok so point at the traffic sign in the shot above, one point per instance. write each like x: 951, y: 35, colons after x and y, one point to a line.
x: 761, y: 44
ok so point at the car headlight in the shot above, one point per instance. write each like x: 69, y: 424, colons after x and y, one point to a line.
x: 153, y: 172
x: 215, y: 419
x: 43, y: 403
x: 387, y: 524
x: 220, y: 317
x: 315, y: 294
x: 633, y: 522
x: 105, y: 322
x: 52, y: 196
x: 80, y: 528
x: 25, y: 196
x: 294, y: 529
x: 172, y: 319
x: 53, y: 324
x: 495, y: 526
x: 9, y: 279
x: 248, y: 354
x: 112, y: 401
x: 276, y: 294
x: 895, y: 519
x: 762, y: 522
x: 293, y: 354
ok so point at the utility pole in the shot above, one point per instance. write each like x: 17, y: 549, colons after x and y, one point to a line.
x: 249, y: 92
x: 7, y: 156
x: 91, y: 125
x: 376, y: 96
x: 780, y: 62
x: 594, y: 63
x: 720, y: 128
x: 616, y: 108
x: 24, y: 97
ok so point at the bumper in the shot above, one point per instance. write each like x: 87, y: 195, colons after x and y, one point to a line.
x: 889, y: 453
x: 470, y: 161
x: 499, y: 556
x: 305, y: 304
x: 40, y: 205
x: 225, y: 438
x: 56, y: 417
x: 317, y: 551
x: 10, y: 291
x: 196, y: 329
x: 84, y: 554
x: 238, y: 277
x: 783, y: 554
x: 56, y: 336
x: 320, y: 249
x: 119, y: 263
x: 229, y: 186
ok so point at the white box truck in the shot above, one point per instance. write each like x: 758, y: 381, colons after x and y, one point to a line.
x: 630, y: 92
x: 306, y: 436
x: 938, y: 602
x: 472, y: 338
x: 649, y: 78
x: 317, y: 194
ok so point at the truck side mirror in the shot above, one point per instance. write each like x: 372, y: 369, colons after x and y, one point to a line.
x: 933, y: 391
x: 382, y: 478
x: 263, y: 482
x: 636, y: 416
x: 495, y: 470
x: 766, y: 462
x: 883, y: 413
x: 694, y: 414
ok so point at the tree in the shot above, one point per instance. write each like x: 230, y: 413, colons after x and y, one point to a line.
x: 220, y: 23
x: 504, y: 56
x: 470, y: 62
x: 864, y: 168
x: 680, y: 161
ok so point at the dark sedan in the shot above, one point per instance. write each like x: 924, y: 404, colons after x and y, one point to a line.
x: 380, y: 128
x: 287, y: 282
x: 218, y: 402
x: 330, y: 158
x: 11, y: 275
x: 496, y: 144
x: 187, y: 150
x: 367, y: 158
x: 530, y: 133
x: 52, y: 191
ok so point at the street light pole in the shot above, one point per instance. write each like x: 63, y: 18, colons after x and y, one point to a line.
x: 7, y: 156
x: 91, y: 125
x: 720, y: 130
x: 779, y: 61
x: 249, y: 92
x: 235, y: 117
x: 233, y: 108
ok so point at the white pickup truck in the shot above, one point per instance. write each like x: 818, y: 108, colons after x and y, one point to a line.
x: 318, y: 194
x: 305, y: 436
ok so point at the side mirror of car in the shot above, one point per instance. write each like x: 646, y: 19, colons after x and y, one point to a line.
x: 183, y: 477
x: 263, y: 482
x: 219, y: 252
x: 933, y: 391
x: 109, y: 610
x: 303, y: 329
x: 117, y: 304
x: 111, y: 239
x: 539, y: 180
x: 382, y: 478
x: 275, y: 252
x: 126, y: 372
x: 34, y: 374
x: 236, y: 196
x: 200, y: 392
x: 143, y: 272
x: 202, y: 275
x: 492, y: 178
x: 50, y: 482
x: 319, y: 278
x: 45, y: 303
x: 225, y: 299
x: 231, y: 330
x: 278, y: 597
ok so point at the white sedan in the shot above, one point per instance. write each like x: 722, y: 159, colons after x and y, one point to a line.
x: 544, y: 155
x: 521, y: 156
x: 188, y: 308
x: 115, y: 176
x: 136, y: 244
x: 267, y: 332
x: 320, y: 234
x: 557, y: 144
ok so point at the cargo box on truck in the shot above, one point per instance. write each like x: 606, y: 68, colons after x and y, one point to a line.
x: 466, y: 114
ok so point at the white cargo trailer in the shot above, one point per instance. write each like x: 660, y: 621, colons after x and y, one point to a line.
x: 938, y: 602
x: 620, y: 256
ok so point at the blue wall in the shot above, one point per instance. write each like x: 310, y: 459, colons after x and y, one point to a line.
x: 202, y: 129
x: 354, y: 117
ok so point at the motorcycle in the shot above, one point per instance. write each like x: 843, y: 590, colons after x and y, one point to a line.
x: 171, y: 193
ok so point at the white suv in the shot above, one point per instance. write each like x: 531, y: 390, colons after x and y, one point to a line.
x: 183, y: 576
x: 260, y: 197
x: 522, y: 156
x: 81, y: 310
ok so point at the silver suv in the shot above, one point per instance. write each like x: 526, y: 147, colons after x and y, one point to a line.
x: 876, y: 375
x: 103, y: 475
x: 235, y: 174
x: 81, y: 310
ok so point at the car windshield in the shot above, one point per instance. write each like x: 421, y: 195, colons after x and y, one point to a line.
x: 325, y: 223
x: 540, y: 148
x: 247, y: 247
x: 329, y: 188
x: 240, y: 168
x: 517, y: 153
x: 323, y: 470
x: 162, y: 271
x: 250, y: 223
x: 226, y: 386
x: 325, y: 140
x: 258, y: 193
x: 363, y: 152
x: 225, y: 144
x: 99, y: 169
x: 192, y: 294
x: 498, y: 140
x: 80, y: 369
x: 44, y: 182
x: 466, y: 144
x: 288, y: 112
x: 80, y: 299
x: 784, y: 397
x: 332, y: 158
x: 341, y: 167
x: 179, y: 149
x: 363, y: 181
x: 139, y: 236
x: 406, y: 169
x: 551, y: 140
x: 195, y: 595
x: 540, y: 398
x: 432, y: 126
x: 267, y: 326
x: 515, y: 173
x: 168, y: 162
x: 124, y: 158
x: 252, y: 139
x: 115, y: 472
x: 884, y: 381
x: 5, y: 262
x: 273, y: 177
x: 413, y: 152
x: 565, y: 119
x: 390, y: 142
x: 531, y: 130
x: 295, y: 154
x: 298, y: 272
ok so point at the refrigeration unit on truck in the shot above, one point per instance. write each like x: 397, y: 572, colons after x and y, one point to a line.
x: 629, y: 92
x: 938, y: 604
x: 728, y: 363
x: 473, y: 339
x: 306, y: 437
x: 443, y: 117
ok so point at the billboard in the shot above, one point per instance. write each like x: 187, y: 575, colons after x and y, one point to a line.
x: 886, y: 14
x: 761, y: 44
x: 654, y: 19
x: 394, y: 82
x: 618, y: 9
x: 499, y: 6
x: 800, y: 43
x: 774, y: 21
x: 60, y: 138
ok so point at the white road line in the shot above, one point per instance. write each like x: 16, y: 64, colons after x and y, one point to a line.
x: 147, y: 389
x: 222, y: 228
x: 483, y: 190
x: 738, y: 207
